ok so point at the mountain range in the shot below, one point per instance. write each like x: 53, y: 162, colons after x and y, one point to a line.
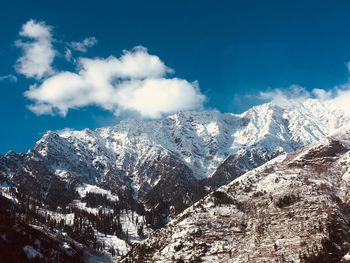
x: 237, y: 173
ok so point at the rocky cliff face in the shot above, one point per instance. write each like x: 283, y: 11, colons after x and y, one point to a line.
x: 295, y: 208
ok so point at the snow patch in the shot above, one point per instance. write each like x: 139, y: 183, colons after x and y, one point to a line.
x: 88, y: 188
x: 31, y: 252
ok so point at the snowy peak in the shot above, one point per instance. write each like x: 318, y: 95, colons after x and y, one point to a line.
x: 303, y: 122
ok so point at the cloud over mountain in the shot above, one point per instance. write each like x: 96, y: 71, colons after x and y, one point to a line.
x: 295, y: 94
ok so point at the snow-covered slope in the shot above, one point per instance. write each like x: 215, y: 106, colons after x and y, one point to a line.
x: 294, y: 208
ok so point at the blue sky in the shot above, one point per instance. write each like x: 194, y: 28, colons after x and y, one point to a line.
x: 234, y: 49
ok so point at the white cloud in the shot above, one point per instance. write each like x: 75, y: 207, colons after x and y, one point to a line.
x: 37, y: 53
x: 68, y: 54
x: 285, y: 97
x: 154, y: 97
x: 9, y: 77
x: 84, y: 45
x: 337, y: 97
x: 322, y: 94
x: 134, y: 82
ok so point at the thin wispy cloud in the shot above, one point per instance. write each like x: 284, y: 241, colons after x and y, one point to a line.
x: 84, y: 45
x: 337, y: 97
x: 9, y: 77
x: 284, y: 97
x: 37, y: 50
x: 68, y: 54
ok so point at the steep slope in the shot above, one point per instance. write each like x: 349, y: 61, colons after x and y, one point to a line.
x: 295, y: 208
x: 22, y: 242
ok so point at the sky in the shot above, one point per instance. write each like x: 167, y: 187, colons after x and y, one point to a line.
x: 88, y: 64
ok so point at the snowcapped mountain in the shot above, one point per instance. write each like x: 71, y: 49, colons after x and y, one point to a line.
x: 154, y: 161
x: 200, y: 140
x: 294, y: 208
x: 153, y: 170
